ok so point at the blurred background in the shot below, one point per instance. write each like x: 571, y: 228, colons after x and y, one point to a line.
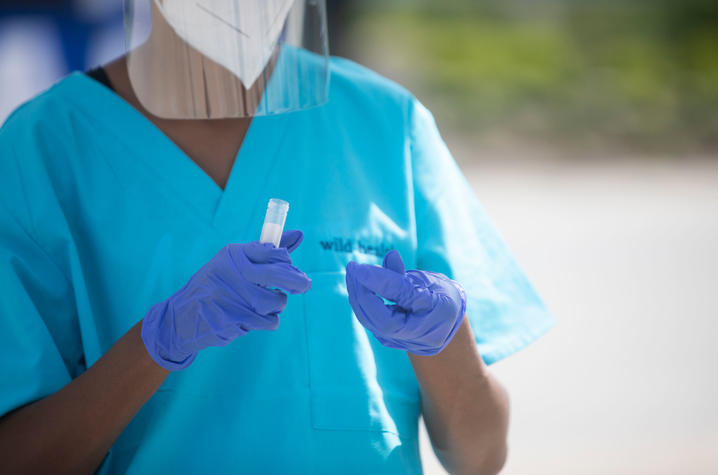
x: 589, y: 130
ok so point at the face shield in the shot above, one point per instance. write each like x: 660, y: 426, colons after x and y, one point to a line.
x: 213, y: 59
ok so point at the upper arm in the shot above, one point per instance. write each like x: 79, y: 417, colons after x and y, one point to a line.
x: 40, y: 349
x: 456, y: 237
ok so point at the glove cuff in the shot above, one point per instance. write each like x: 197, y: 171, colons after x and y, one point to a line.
x: 454, y: 328
x: 151, y: 326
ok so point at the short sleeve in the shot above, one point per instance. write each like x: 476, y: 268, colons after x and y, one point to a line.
x: 40, y: 349
x: 455, y: 237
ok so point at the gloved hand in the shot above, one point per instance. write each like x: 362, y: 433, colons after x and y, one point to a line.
x: 428, y: 311
x: 235, y: 292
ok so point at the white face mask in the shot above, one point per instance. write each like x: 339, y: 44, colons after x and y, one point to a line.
x: 238, y: 34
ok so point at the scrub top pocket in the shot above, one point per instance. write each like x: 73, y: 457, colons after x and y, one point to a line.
x: 355, y: 382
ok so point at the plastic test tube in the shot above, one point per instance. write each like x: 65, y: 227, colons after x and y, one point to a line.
x: 274, y: 221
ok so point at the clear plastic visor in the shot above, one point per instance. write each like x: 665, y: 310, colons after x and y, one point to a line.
x: 212, y: 59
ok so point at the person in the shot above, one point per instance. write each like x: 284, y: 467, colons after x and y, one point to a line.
x: 140, y: 318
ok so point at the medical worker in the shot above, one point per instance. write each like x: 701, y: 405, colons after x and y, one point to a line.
x: 143, y: 329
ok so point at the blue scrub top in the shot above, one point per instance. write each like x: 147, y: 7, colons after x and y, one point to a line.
x: 101, y: 216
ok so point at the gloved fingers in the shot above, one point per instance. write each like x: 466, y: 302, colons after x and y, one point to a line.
x: 391, y: 285
x: 384, y: 282
x: 370, y: 308
x: 262, y: 253
x: 228, y: 313
x: 364, y: 317
x: 291, y: 239
x: 268, y: 322
x: 266, y: 301
x: 353, y: 296
x: 249, y: 319
x: 392, y: 261
x: 280, y: 275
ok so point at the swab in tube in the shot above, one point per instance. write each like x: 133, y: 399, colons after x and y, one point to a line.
x: 274, y: 221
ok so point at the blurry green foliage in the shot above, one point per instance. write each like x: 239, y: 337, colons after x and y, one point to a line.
x: 638, y: 73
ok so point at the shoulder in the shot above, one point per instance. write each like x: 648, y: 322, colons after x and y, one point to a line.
x: 362, y: 87
x: 363, y: 102
x: 345, y: 72
x: 358, y: 91
x: 40, y: 115
x: 34, y: 136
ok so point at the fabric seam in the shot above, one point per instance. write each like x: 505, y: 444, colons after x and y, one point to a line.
x: 29, y: 214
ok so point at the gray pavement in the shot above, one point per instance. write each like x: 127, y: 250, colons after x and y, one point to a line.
x: 625, y: 253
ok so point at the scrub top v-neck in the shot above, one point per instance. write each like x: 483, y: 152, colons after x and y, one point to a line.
x: 102, y: 216
x: 255, y: 159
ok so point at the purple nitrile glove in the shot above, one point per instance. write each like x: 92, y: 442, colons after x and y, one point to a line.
x: 235, y: 292
x: 428, y: 309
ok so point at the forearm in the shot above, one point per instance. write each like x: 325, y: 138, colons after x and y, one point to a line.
x: 465, y: 408
x: 71, y: 430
